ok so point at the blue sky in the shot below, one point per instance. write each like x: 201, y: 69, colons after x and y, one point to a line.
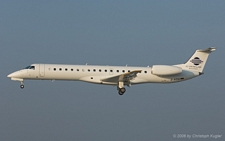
x: 137, y: 33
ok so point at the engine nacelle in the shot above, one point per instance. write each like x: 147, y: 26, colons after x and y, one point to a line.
x: 165, y: 70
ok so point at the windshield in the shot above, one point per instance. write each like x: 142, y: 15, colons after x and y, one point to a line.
x: 30, y: 67
x: 27, y: 67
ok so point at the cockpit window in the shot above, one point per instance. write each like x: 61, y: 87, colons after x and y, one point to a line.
x: 27, y: 67
x: 30, y: 67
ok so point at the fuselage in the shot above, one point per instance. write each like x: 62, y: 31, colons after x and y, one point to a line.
x: 94, y: 74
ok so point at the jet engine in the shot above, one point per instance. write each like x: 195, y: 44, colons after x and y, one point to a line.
x: 165, y: 70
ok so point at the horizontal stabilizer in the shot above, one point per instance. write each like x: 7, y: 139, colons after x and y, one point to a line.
x: 207, y: 50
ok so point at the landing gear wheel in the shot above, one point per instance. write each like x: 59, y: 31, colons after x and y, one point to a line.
x: 21, y: 86
x: 121, y: 91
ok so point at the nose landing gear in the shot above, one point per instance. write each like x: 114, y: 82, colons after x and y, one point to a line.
x: 22, y: 85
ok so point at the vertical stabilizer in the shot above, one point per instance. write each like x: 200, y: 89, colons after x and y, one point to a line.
x: 198, y: 59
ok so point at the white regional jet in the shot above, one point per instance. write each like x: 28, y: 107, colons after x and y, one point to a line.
x: 116, y: 75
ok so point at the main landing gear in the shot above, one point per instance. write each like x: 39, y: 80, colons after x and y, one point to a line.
x: 121, y: 91
x: 120, y: 88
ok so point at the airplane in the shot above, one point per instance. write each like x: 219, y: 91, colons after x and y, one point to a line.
x: 119, y: 76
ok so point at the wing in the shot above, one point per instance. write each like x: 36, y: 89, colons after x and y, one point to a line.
x: 126, y: 77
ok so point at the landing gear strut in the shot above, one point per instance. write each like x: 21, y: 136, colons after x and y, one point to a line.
x: 120, y: 88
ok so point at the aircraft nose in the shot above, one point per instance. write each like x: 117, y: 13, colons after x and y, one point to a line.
x: 14, y: 74
x: 10, y: 75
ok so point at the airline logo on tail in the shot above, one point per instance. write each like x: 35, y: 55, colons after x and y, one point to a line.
x: 196, y: 61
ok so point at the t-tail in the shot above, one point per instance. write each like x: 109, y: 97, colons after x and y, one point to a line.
x: 198, y: 60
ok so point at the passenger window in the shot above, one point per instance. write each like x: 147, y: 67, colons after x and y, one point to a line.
x: 77, y: 69
x: 111, y: 70
x: 100, y: 70
x: 54, y: 69
x: 145, y: 71
x: 71, y: 69
x: 117, y: 71
x: 123, y: 70
x: 88, y: 70
x: 94, y: 70
x: 66, y: 69
x: 128, y: 70
x: 60, y: 69
x: 105, y: 70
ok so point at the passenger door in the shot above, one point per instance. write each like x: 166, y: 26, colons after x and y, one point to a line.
x: 41, y: 70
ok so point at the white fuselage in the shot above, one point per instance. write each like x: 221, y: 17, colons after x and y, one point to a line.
x: 95, y: 74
